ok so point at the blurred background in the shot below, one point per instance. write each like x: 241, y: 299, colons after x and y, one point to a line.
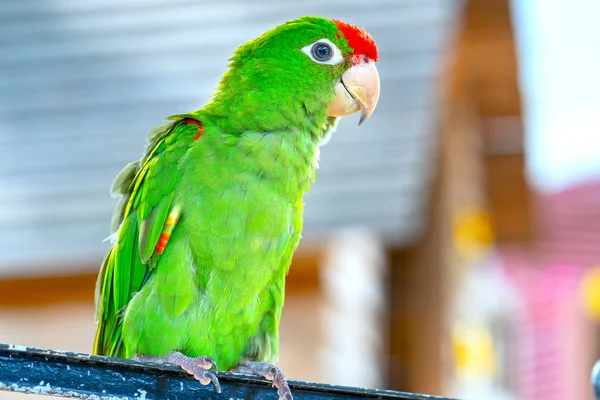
x: 451, y: 244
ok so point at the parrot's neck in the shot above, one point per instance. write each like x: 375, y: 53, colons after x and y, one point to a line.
x: 238, y: 117
x: 246, y: 101
x: 287, y: 159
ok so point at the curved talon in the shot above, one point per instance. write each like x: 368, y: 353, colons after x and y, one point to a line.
x: 271, y: 373
x: 212, y: 378
x: 198, y: 367
x: 207, y: 363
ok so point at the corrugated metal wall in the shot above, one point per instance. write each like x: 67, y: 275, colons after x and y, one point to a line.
x: 82, y: 82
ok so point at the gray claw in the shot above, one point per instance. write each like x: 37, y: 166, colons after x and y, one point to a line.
x: 198, y: 367
x: 209, y: 363
x: 213, y: 378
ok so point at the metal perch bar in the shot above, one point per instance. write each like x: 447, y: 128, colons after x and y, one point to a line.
x: 596, y: 380
x: 66, y: 374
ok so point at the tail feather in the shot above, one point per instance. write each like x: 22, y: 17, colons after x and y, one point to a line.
x: 108, y: 340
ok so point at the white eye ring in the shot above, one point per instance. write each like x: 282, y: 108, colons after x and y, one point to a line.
x: 335, y: 58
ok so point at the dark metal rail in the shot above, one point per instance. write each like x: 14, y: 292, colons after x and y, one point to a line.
x: 66, y: 374
x: 596, y: 380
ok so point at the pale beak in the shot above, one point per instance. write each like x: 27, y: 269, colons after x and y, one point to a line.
x: 357, y: 90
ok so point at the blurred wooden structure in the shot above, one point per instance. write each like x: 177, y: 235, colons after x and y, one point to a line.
x: 481, y: 166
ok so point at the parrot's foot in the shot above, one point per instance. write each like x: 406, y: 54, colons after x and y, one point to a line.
x: 269, y: 372
x: 198, y: 367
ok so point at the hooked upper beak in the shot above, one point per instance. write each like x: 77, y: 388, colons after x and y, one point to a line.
x: 357, y: 90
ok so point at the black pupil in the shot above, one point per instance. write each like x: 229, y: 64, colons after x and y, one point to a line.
x: 322, y: 52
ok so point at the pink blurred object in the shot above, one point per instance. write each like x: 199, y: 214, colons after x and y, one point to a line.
x: 555, y: 343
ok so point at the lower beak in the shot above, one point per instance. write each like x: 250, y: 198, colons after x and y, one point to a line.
x: 357, y: 90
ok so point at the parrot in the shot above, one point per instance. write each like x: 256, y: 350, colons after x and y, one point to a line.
x: 207, y: 221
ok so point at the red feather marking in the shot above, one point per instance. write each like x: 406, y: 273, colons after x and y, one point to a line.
x: 359, y: 40
x: 162, y: 242
x: 200, y: 127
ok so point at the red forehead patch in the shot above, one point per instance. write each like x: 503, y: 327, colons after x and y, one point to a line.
x: 358, y: 39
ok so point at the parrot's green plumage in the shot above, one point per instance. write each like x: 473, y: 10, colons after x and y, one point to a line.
x: 209, y: 219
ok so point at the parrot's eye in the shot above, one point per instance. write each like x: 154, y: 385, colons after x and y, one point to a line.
x: 324, y: 52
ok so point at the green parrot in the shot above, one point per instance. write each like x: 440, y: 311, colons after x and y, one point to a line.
x: 208, y: 220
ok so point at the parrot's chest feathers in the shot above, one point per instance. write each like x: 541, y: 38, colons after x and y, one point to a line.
x: 288, y: 160
x: 243, y: 203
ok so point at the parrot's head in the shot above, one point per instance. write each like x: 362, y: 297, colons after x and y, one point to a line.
x: 310, y: 68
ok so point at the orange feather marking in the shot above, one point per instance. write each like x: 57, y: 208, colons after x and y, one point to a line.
x: 168, y: 229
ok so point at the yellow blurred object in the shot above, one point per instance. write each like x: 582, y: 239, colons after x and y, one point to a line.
x: 472, y: 231
x: 474, y: 353
x: 590, y: 292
